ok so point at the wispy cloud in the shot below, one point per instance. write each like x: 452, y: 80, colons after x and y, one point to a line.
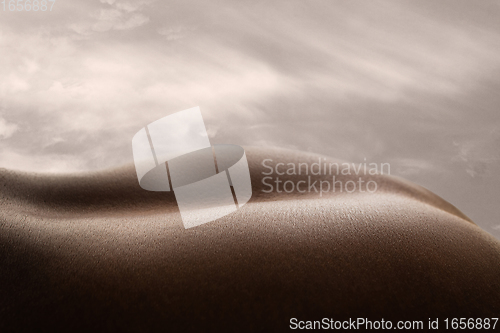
x: 175, y: 33
x: 342, y: 78
x: 115, y: 15
x: 7, y: 129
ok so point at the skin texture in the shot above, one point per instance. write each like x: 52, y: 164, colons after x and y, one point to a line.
x: 95, y: 252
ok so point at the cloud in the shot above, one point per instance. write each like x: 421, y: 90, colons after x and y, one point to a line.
x: 132, y: 6
x: 175, y: 33
x: 410, y: 167
x: 7, y: 129
x: 47, y: 163
x: 344, y: 79
x: 133, y: 22
x: 115, y: 19
x: 117, y: 16
x: 95, y: 99
x: 479, y: 154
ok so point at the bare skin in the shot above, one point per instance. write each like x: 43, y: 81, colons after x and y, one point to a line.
x: 96, y: 252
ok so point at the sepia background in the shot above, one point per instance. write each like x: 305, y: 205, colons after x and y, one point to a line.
x: 413, y: 84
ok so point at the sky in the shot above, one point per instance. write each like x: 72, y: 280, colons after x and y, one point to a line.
x: 413, y: 84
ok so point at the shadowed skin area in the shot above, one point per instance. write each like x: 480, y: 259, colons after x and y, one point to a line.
x: 95, y: 252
